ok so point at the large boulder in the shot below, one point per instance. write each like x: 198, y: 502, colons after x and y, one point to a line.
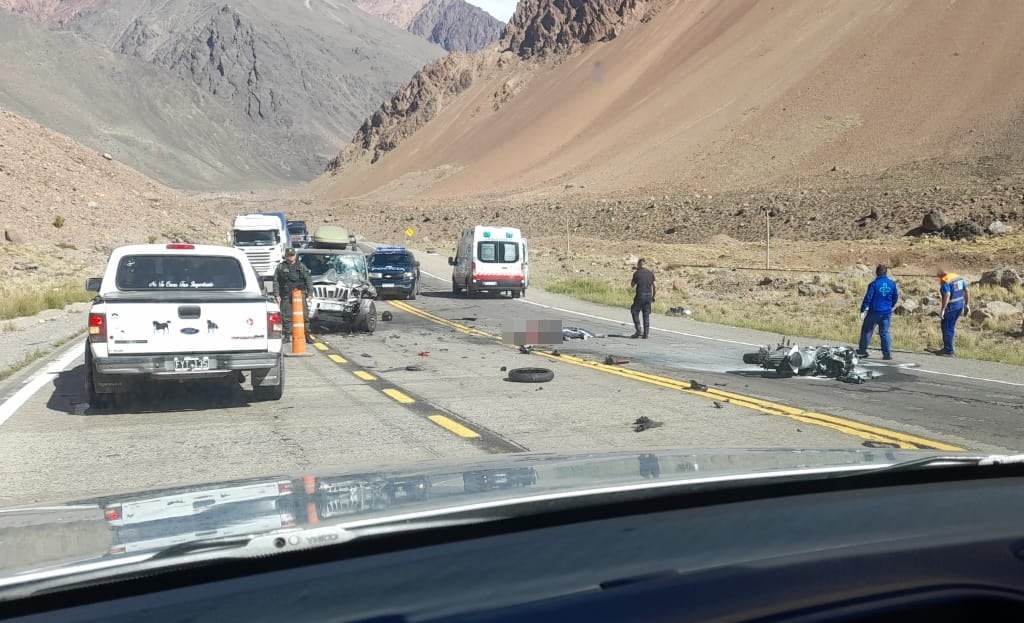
x: 905, y: 306
x: 1002, y: 276
x: 933, y: 222
x: 963, y: 230
x: 999, y: 309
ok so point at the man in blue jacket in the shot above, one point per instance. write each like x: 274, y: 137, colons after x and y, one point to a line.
x: 876, y: 310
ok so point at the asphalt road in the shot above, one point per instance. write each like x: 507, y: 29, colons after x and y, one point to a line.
x: 430, y: 385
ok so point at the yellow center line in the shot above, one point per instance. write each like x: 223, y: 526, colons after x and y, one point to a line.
x: 849, y: 427
x: 366, y: 376
x: 337, y: 358
x: 454, y: 427
x: 399, y: 396
x: 320, y: 346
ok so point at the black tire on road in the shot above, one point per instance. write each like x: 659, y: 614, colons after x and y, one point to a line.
x: 530, y: 375
x: 273, y: 392
x: 455, y: 287
x: 369, y: 324
x: 412, y: 293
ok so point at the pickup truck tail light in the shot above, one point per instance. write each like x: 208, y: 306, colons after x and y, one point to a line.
x: 97, y: 327
x: 112, y: 513
x: 181, y: 246
x: 274, y: 327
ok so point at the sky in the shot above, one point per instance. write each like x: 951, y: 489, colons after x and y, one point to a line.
x: 502, y: 9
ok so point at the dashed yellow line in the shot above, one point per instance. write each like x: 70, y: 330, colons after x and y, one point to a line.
x: 454, y: 427
x: 849, y: 427
x: 337, y: 358
x: 366, y: 376
x: 320, y: 346
x: 399, y: 396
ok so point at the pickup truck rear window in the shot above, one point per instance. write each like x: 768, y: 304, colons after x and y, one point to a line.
x: 179, y: 272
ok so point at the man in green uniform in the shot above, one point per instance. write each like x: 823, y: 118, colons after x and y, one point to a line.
x: 291, y: 274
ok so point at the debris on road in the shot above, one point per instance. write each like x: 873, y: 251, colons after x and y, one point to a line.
x: 576, y: 333
x: 615, y: 361
x: 718, y: 405
x: 555, y: 353
x: 880, y: 444
x: 530, y: 375
x: 386, y: 316
x: 680, y: 311
x: 503, y: 368
x: 525, y: 350
x: 698, y: 386
x: 424, y: 353
x: 787, y: 359
x: 414, y: 368
x: 643, y: 423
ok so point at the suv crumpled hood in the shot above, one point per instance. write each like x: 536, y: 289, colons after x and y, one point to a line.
x: 145, y: 521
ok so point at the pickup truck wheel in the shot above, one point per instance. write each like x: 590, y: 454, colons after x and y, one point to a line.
x: 412, y: 293
x: 272, y: 392
x: 96, y: 399
x: 456, y: 288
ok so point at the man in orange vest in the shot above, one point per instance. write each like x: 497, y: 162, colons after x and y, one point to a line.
x: 956, y: 301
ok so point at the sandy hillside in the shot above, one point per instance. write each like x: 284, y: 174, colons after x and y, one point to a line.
x: 729, y: 94
x: 47, y: 179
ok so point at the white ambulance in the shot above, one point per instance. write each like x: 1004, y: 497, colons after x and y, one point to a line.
x: 491, y: 259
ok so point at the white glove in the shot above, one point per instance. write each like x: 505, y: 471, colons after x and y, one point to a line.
x: 863, y: 315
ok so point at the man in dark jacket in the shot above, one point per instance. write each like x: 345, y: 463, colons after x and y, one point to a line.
x: 643, y: 281
x: 876, y: 310
x: 291, y: 274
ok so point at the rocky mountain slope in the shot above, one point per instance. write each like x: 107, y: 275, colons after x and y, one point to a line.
x: 704, y: 97
x: 455, y: 25
x: 63, y: 206
x: 286, y: 82
x: 51, y: 12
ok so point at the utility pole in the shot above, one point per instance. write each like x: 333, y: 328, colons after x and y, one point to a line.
x: 768, y: 239
x: 567, y: 235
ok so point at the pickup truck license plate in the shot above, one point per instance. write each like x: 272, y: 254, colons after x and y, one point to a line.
x: 490, y: 283
x: 330, y: 306
x: 388, y: 285
x: 191, y: 363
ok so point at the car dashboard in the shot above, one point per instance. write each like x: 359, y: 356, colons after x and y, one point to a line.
x: 941, y: 545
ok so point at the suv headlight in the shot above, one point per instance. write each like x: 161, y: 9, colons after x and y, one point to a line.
x: 376, y: 275
x: 407, y: 275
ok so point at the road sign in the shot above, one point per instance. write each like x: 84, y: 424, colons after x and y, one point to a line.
x: 409, y: 231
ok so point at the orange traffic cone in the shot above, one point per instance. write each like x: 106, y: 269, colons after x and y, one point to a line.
x: 298, y: 324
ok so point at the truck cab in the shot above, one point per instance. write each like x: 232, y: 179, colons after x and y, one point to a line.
x: 263, y: 238
x: 491, y: 259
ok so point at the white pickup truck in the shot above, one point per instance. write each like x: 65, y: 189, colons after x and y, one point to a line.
x: 180, y: 312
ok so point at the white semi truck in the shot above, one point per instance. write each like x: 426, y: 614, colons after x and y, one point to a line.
x: 263, y: 238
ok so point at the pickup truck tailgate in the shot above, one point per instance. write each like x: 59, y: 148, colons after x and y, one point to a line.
x: 186, y: 325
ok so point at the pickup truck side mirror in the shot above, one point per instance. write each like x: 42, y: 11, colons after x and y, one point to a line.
x: 451, y: 261
x: 92, y: 284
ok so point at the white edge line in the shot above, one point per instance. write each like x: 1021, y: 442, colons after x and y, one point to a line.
x: 10, y: 406
x: 715, y: 339
x: 972, y: 378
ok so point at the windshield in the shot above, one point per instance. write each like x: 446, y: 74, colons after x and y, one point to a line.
x: 345, y: 265
x: 268, y: 238
x: 470, y: 250
x: 387, y: 260
x: 168, y: 272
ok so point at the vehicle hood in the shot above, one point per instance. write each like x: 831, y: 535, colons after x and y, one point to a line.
x: 90, y: 527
